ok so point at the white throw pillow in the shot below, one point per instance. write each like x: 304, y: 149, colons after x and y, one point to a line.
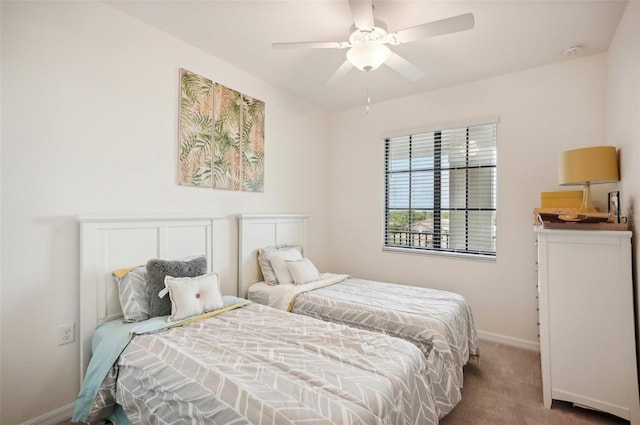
x: 303, y: 271
x: 265, y: 264
x: 191, y: 296
x: 278, y: 263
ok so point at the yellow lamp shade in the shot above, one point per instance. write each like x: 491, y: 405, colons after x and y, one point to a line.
x: 597, y: 164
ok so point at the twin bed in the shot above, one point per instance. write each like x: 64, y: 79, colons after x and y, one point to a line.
x: 440, y: 323
x: 244, y: 363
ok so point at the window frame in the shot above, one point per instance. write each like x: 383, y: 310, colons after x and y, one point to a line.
x: 436, y: 248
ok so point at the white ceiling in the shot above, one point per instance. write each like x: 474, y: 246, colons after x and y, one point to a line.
x: 509, y: 36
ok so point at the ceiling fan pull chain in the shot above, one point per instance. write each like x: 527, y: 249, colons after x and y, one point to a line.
x: 368, y: 101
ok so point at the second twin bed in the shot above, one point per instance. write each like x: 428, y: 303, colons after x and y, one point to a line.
x: 439, y: 323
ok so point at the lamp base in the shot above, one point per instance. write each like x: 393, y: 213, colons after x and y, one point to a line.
x: 587, y: 204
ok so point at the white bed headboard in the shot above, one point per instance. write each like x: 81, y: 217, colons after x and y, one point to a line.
x: 260, y: 230
x: 108, y: 243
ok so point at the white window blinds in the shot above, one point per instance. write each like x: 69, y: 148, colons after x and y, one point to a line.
x: 440, y: 192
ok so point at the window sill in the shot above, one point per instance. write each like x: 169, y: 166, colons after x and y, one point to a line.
x: 454, y: 255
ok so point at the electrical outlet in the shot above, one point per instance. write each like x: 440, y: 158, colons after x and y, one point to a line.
x: 66, y: 334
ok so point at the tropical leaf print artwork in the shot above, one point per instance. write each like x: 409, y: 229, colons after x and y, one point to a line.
x: 252, y: 144
x: 196, y: 122
x: 227, y: 116
x: 239, y: 141
x: 221, y: 136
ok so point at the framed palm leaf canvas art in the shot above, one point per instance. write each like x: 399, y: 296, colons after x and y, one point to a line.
x: 221, y: 136
x: 196, y: 129
x: 252, y: 144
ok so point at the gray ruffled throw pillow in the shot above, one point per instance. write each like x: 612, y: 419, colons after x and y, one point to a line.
x: 156, y: 272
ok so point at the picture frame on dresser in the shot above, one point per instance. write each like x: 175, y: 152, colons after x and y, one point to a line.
x: 613, y: 205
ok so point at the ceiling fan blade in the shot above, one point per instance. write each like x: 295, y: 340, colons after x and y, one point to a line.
x: 435, y: 28
x: 311, y: 45
x: 362, y: 12
x: 340, y: 73
x: 404, y: 67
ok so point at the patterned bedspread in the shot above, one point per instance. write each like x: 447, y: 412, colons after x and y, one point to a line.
x: 440, y: 323
x: 258, y: 365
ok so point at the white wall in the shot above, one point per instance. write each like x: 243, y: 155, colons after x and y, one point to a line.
x: 0, y: 203
x: 623, y: 114
x: 89, y: 125
x: 542, y: 112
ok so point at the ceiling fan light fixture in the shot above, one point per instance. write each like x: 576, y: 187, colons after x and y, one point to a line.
x: 368, y: 55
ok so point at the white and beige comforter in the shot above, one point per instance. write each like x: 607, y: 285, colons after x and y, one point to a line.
x: 440, y: 323
x: 257, y: 365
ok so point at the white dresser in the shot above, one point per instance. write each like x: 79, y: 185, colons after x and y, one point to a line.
x: 587, y: 335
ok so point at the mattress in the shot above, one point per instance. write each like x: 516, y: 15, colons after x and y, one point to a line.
x: 258, y: 365
x: 440, y: 323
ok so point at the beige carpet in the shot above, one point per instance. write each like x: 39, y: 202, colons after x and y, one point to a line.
x: 505, y: 388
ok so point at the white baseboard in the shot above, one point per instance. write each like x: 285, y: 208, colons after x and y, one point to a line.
x: 52, y: 418
x: 508, y: 340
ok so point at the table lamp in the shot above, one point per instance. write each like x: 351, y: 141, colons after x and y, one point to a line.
x: 586, y: 166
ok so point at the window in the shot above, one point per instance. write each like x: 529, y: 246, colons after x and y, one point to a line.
x: 440, y: 191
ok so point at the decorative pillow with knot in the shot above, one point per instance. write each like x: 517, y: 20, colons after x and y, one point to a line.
x: 192, y: 296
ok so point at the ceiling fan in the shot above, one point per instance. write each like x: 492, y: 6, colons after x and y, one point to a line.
x: 369, y: 38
